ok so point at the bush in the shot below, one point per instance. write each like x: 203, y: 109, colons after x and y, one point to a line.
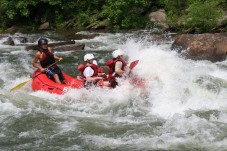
x: 126, y: 14
x: 202, y: 15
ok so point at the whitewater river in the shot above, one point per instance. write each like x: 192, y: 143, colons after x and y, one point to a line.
x: 183, y: 107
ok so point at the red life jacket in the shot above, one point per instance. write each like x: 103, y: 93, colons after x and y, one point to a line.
x: 100, y: 70
x: 82, y: 67
x: 47, y: 58
x: 111, y: 65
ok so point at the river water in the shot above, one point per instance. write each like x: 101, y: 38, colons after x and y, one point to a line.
x: 183, y: 107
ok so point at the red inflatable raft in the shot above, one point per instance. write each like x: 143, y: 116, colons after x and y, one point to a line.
x: 42, y: 82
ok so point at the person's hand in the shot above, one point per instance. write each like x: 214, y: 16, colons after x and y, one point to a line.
x: 43, y: 70
x: 126, y: 68
x: 99, y: 78
x: 60, y: 59
x: 126, y: 74
x: 101, y: 74
x: 104, y: 75
x: 110, y: 76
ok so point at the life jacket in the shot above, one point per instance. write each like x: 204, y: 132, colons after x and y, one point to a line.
x: 47, y: 58
x: 111, y: 65
x: 100, y: 70
x: 82, y: 67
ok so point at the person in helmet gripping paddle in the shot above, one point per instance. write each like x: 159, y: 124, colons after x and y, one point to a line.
x: 101, y: 72
x: 116, y: 67
x: 89, y: 71
x: 104, y: 83
x: 46, y: 57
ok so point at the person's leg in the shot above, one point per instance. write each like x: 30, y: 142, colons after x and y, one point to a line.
x: 59, y: 78
x: 64, y: 81
x: 56, y: 78
x: 50, y: 74
x: 113, y: 83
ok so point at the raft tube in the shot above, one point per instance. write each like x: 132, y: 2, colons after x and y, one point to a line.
x: 42, y: 82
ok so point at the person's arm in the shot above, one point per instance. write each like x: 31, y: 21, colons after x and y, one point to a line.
x: 91, y: 79
x: 88, y: 73
x: 55, y: 57
x: 35, y: 62
x: 118, y: 67
x: 101, y: 72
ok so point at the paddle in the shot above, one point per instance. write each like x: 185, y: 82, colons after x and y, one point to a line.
x: 23, y: 83
x: 134, y: 80
x: 132, y: 65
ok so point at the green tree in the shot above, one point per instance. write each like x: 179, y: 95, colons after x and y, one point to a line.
x: 32, y: 12
x: 202, y: 15
x: 126, y: 14
x: 175, y: 9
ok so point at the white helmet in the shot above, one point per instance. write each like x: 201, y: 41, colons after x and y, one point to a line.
x: 117, y: 53
x: 95, y: 62
x: 88, y: 56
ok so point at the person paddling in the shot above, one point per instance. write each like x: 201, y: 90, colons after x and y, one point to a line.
x: 100, y: 70
x: 116, y: 67
x: 104, y: 83
x: 89, y: 71
x: 46, y: 57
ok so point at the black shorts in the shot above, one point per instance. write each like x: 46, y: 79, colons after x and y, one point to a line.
x: 55, y: 70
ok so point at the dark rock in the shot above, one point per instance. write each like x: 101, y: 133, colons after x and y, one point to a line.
x: 90, y: 26
x: 190, y: 31
x: 98, y: 27
x: 15, y: 29
x: 69, y: 24
x: 90, y: 36
x: 50, y: 45
x: 202, y: 46
x: 159, y: 18
x: 60, y: 46
x: 70, y: 47
x: 21, y: 39
x: 44, y: 26
x: 9, y: 41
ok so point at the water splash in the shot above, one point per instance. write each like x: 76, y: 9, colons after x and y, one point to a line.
x: 183, y: 106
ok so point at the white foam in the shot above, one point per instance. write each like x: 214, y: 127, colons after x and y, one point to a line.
x: 174, y: 84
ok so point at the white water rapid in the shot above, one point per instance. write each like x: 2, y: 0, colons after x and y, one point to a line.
x: 183, y: 106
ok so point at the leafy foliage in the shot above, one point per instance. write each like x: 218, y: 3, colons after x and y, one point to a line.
x: 202, y: 15
x: 126, y: 14
x: 121, y: 14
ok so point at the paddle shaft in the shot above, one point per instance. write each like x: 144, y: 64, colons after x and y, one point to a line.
x: 23, y: 83
x: 46, y: 69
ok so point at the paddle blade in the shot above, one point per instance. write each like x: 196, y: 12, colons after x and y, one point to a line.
x: 133, y: 64
x: 100, y: 83
x: 20, y: 85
